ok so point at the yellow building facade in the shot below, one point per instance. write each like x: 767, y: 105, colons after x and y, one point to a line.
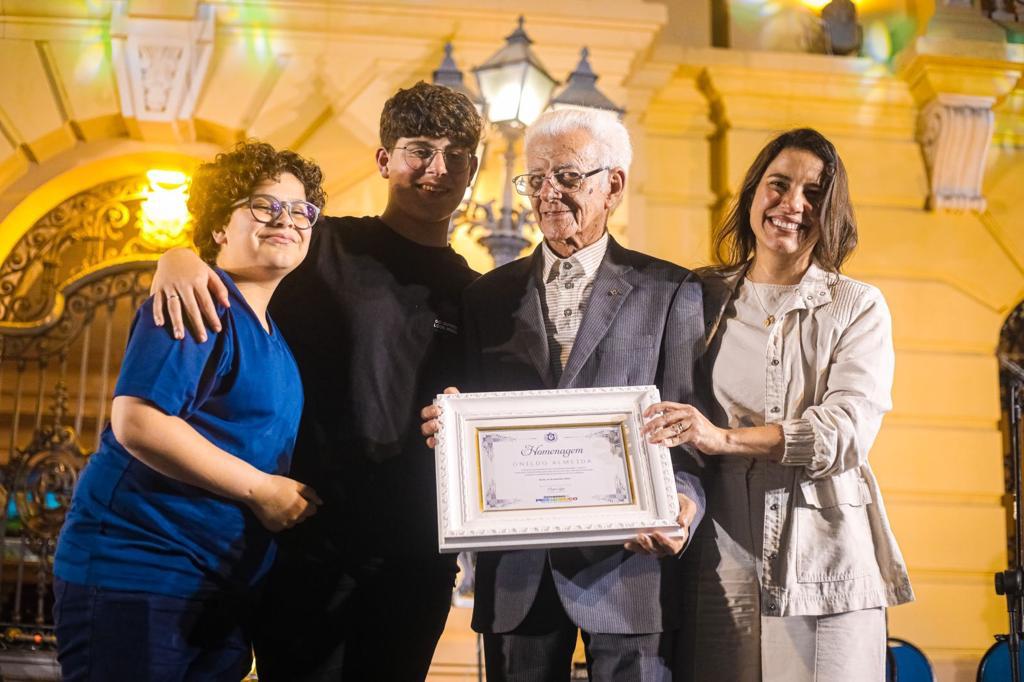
x: 930, y: 124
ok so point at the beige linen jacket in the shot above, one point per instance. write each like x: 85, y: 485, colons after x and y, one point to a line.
x: 828, y: 546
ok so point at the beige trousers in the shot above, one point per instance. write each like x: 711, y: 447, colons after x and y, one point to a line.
x: 724, y: 636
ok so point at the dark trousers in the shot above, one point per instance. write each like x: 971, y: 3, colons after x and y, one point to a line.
x: 540, y: 648
x: 111, y: 635
x: 378, y: 620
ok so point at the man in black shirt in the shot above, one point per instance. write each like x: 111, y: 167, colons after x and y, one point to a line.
x: 372, y: 317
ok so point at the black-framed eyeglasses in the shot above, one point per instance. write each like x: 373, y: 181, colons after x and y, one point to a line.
x: 565, y: 181
x: 418, y: 157
x: 266, y: 209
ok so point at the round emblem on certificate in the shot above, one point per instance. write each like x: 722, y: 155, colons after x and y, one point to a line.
x: 551, y: 436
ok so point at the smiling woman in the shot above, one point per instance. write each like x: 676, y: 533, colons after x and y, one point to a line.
x: 784, y: 213
x: 798, y: 174
x: 138, y: 558
x: 218, y: 189
x: 795, y: 561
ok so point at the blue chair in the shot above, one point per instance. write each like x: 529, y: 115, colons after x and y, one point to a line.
x: 995, y: 664
x: 904, y: 662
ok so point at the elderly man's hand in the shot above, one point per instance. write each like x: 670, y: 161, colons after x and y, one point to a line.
x: 660, y: 545
x: 431, y: 416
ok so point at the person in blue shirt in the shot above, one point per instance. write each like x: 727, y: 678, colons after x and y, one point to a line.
x: 170, y: 531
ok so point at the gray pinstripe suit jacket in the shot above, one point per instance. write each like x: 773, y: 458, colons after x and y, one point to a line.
x: 643, y: 325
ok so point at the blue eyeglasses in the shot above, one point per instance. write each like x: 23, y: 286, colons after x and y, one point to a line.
x: 267, y: 209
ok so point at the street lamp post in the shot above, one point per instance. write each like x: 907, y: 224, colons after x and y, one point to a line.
x: 516, y: 89
x: 514, y: 83
x: 449, y: 75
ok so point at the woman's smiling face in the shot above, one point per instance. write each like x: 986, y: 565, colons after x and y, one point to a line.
x: 264, y: 249
x: 784, y: 214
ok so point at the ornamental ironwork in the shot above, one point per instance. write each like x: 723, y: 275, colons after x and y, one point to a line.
x: 89, y: 229
x: 1011, y: 378
x: 68, y: 289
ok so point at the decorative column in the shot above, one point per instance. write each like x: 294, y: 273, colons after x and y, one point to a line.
x: 957, y: 71
x: 160, y: 65
x: 954, y: 132
x: 676, y: 145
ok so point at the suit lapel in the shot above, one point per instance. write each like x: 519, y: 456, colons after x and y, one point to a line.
x: 530, y: 334
x: 611, y: 289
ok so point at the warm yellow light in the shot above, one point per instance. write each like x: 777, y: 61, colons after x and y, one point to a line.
x: 818, y: 4
x: 164, y: 216
x: 92, y: 57
x: 169, y: 178
x: 877, y: 41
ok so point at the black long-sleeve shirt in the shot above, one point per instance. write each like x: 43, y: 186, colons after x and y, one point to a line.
x: 373, y: 321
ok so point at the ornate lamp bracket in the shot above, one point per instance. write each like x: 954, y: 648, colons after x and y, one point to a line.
x: 160, y: 65
x: 954, y: 131
x: 503, y: 235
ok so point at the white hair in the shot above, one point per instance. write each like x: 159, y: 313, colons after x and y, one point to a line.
x: 610, y: 138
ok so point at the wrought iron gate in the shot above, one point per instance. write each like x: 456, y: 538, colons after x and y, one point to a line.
x: 68, y: 290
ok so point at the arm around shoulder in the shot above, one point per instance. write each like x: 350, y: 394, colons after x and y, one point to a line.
x: 184, y: 287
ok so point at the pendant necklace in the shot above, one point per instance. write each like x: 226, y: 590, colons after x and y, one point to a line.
x: 769, y: 319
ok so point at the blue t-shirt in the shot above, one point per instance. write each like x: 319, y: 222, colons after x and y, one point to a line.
x: 131, y: 528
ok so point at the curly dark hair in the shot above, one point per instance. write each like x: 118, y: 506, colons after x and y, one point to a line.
x: 217, y: 186
x: 426, y: 110
x: 734, y: 240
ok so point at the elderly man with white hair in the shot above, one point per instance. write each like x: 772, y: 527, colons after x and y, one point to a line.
x: 582, y: 311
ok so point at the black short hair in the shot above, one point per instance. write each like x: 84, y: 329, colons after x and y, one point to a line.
x: 427, y: 110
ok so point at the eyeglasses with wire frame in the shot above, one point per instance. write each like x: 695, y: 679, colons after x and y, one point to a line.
x: 565, y: 181
x: 267, y: 209
x: 418, y: 157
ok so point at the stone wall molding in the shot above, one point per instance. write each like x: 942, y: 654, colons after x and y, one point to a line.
x: 160, y: 65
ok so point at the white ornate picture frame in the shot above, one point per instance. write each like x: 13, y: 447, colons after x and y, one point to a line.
x: 579, y: 470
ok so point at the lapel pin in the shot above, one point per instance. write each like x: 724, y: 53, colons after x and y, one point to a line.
x: 613, y: 292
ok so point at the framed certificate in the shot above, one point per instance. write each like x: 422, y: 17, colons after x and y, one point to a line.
x: 560, y: 468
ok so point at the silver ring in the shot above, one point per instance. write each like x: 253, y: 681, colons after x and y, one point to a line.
x: 173, y: 296
x: 678, y: 428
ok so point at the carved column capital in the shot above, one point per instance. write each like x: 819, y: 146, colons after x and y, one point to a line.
x: 954, y: 132
x: 957, y: 72
x: 160, y: 65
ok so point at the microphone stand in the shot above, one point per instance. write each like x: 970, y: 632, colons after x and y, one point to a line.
x: 1010, y: 583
